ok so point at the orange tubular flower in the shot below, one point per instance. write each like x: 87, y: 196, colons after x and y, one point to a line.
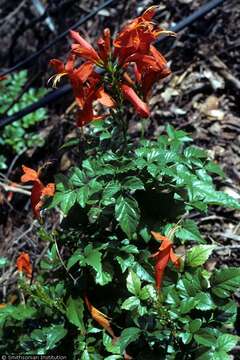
x: 104, y: 46
x: 149, y: 74
x: 163, y: 256
x: 93, y: 93
x: 137, y: 36
x: 39, y: 191
x: 24, y: 265
x: 130, y: 95
x: 83, y: 49
x: 2, y: 77
x: 77, y: 76
x: 100, y: 318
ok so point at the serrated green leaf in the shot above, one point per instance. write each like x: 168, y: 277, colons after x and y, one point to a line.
x: 110, y: 345
x: 148, y: 291
x: 74, y: 313
x: 125, y: 263
x: 77, y: 256
x: 189, y: 231
x: 187, y: 305
x: 225, y: 282
x: 195, y: 325
x: 215, y: 168
x: 206, y: 337
x: 127, y: 336
x: 127, y: 214
x: 133, y: 183
x: 78, y: 177
x: 133, y: 283
x: 186, y: 337
x: 130, y: 303
x: 93, y: 258
x: 54, y: 333
x: 204, y: 302
x: 68, y: 199
x: 220, y: 355
x: 195, y: 152
x: 111, y: 188
x: 226, y: 342
x: 83, y: 195
x: 198, y: 255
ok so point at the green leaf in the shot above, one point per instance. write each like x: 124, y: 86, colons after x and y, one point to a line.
x: 187, y: 305
x: 111, y: 188
x: 54, y: 333
x: 198, y: 255
x: 93, y: 257
x: 204, y: 302
x: 125, y: 263
x: 204, y: 355
x: 189, y: 231
x: 83, y: 195
x: 68, y: 199
x: 195, y: 325
x: 186, y: 337
x: 127, y: 214
x: 226, y: 342
x: 215, y: 168
x: 77, y: 256
x: 78, y: 177
x: 70, y: 143
x: 133, y: 183
x: 75, y: 309
x: 148, y: 292
x: 205, y: 337
x: 3, y: 262
x: 195, y: 152
x: 86, y: 355
x: 220, y: 355
x: 127, y: 336
x: 130, y: 303
x: 133, y: 283
x: 224, y: 282
x: 110, y: 345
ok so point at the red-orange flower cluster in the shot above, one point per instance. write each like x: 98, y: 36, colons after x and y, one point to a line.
x: 107, y: 67
x: 39, y: 191
x: 162, y: 257
x: 24, y: 264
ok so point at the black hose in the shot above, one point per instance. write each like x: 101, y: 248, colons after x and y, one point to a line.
x: 196, y: 15
x: 56, y: 94
x: 32, y: 57
x: 44, y: 101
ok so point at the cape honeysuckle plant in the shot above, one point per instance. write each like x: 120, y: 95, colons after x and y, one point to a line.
x: 124, y: 276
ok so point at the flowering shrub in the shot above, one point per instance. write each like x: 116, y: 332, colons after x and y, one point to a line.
x: 114, y: 283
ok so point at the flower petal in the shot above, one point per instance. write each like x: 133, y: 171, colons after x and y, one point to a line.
x: 83, y: 48
x: 29, y: 174
x: 140, y: 106
x: 48, y: 190
x: 105, y: 99
x: 99, y: 317
x: 23, y: 264
x: 36, y: 195
x: 58, y: 65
